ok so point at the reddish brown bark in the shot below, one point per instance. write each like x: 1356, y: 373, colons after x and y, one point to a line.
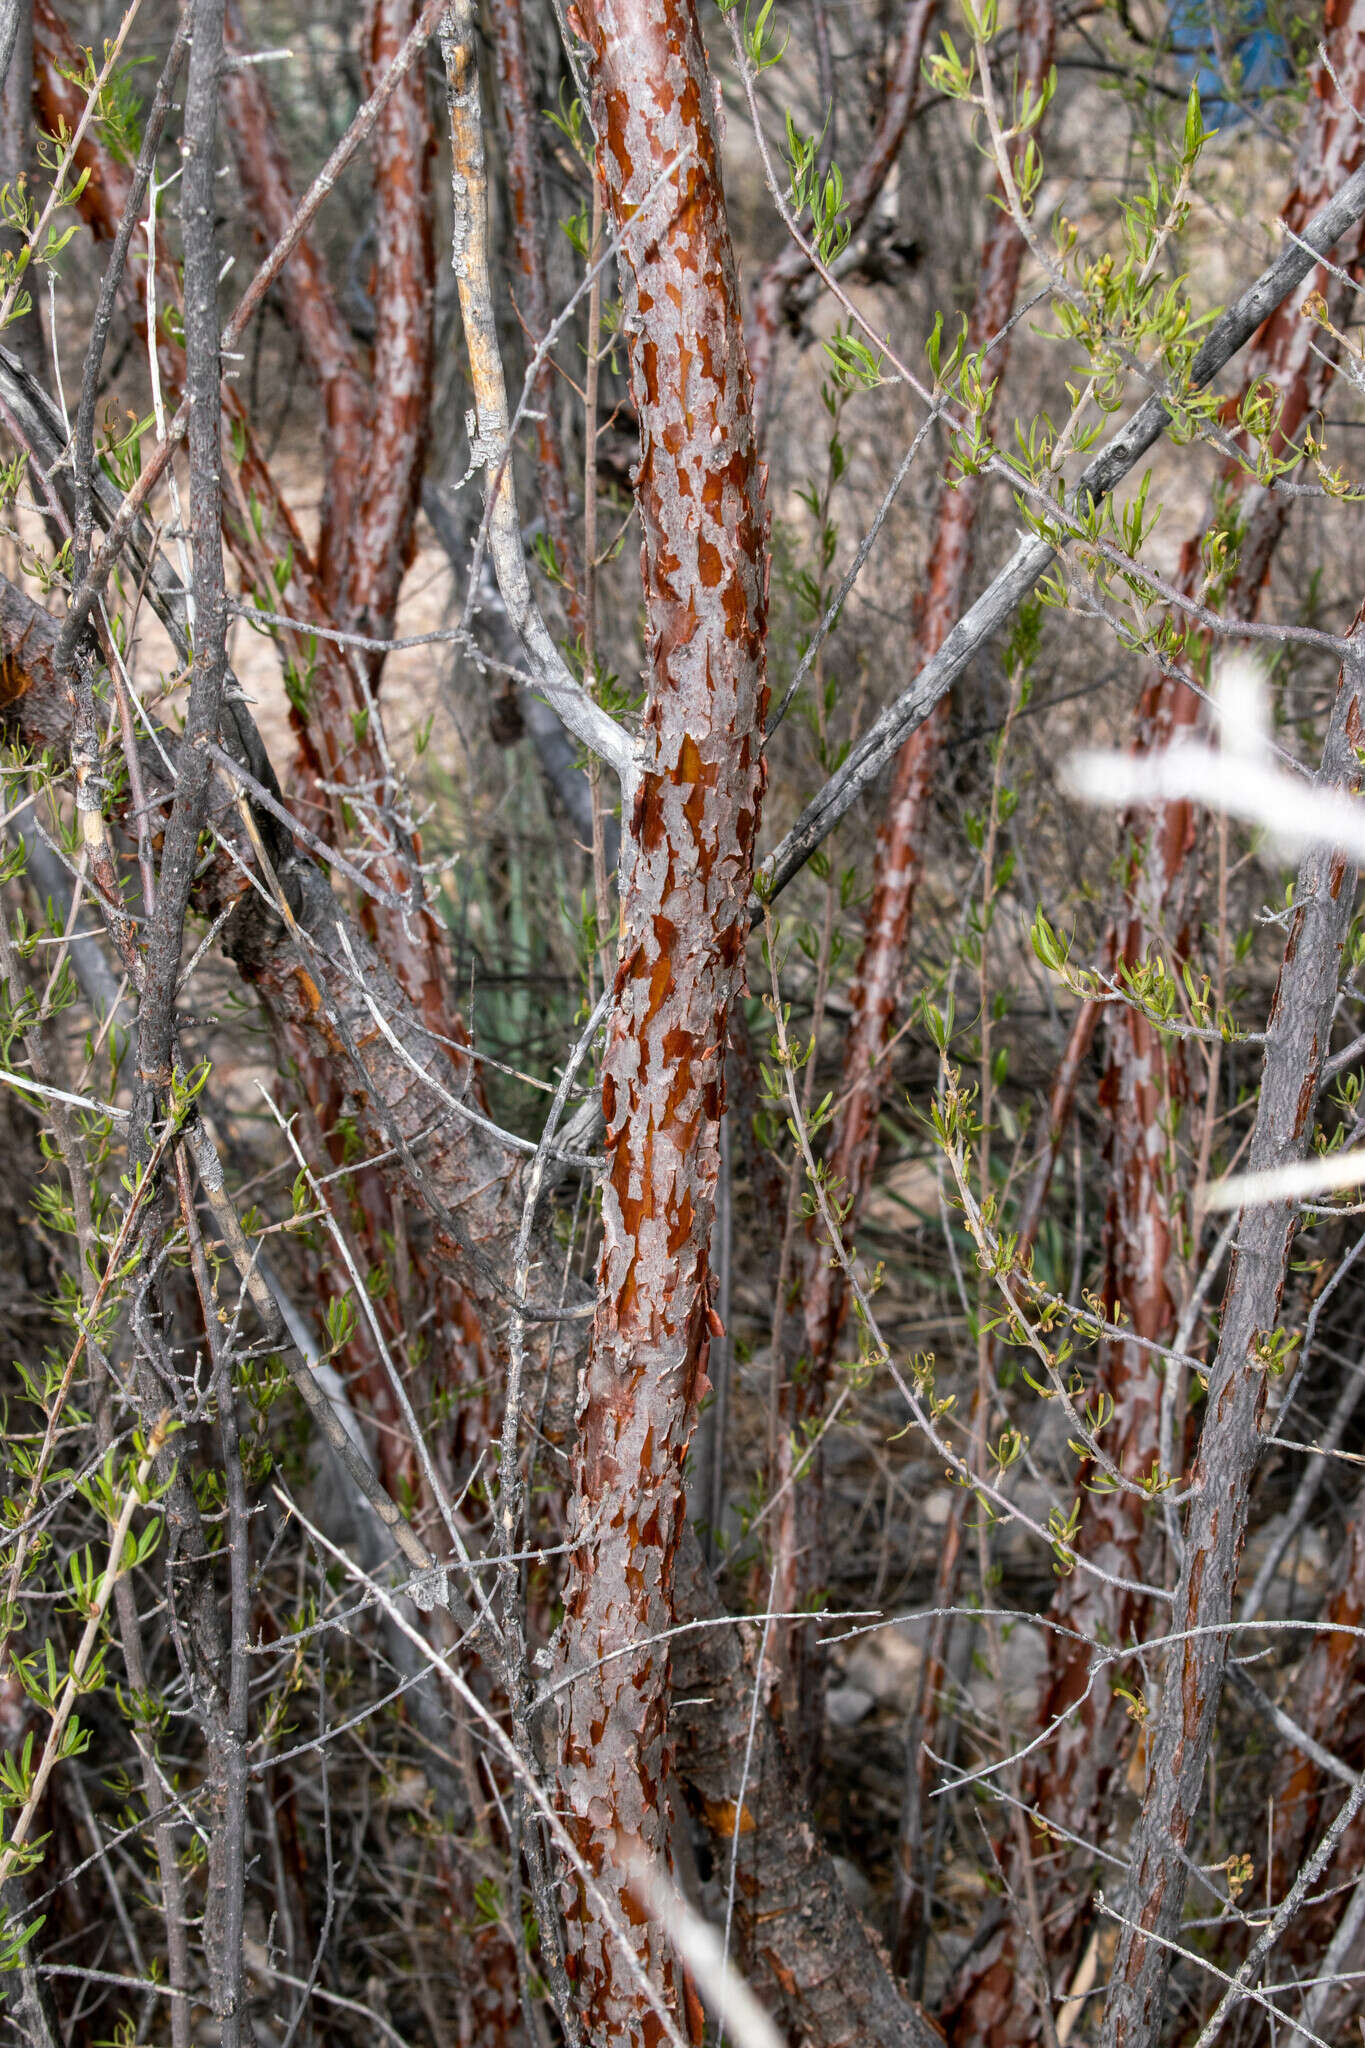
x: 330, y: 350
x: 800, y: 1940
x: 392, y: 459
x: 687, y: 873
x: 56, y: 101
x: 374, y: 454
x: 875, y: 992
x: 464, y: 1191
x: 1060, y: 1103
x: 377, y: 415
x: 1288, y: 349
x: 258, y: 524
x: 1146, y: 1070
x: 376, y: 409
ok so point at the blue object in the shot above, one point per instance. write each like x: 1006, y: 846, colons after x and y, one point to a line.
x: 1255, y: 54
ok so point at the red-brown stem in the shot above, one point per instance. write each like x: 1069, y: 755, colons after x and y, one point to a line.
x: 258, y: 524
x: 404, y: 299
x: 813, y: 1942
x: 688, y: 867
x: 330, y: 350
x: 1060, y: 1102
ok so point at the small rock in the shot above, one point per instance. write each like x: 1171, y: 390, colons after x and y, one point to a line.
x: 904, y: 1196
x: 847, y: 1705
x: 884, y: 1662
x: 1023, y: 1667
x: 1303, y: 1568
x: 1024, y: 1657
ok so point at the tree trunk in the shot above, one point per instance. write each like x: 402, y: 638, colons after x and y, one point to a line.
x: 686, y: 873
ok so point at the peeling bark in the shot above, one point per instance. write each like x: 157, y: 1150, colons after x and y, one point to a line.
x: 331, y: 352
x: 803, y: 1945
x: 814, y: 1945
x: 392, y: 459
x: 377, y: 411
x: 649, y: 1354
x: 687, y: 871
